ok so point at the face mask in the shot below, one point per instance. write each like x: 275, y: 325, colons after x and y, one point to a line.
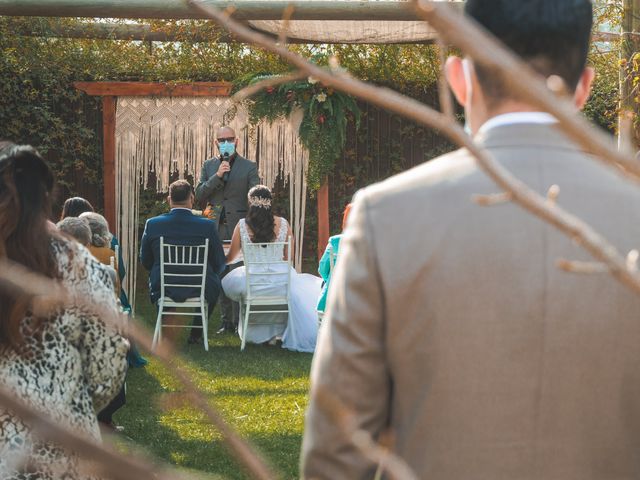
x: 466, y: 70
x: 227, y: 148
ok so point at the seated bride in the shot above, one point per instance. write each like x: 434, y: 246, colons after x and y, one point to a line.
x: 261, y: 226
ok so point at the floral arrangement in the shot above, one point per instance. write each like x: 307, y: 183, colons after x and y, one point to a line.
x: 326, y: 113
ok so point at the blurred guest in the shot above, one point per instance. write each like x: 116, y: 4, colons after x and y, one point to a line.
x: 100, y: 244
x: 99, y: 248
x: 74, y: 207
x: 67, y: 363
x: 327, y: 262
x: 77, y: 229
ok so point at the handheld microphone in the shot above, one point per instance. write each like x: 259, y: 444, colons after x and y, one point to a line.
x: 225, y: 158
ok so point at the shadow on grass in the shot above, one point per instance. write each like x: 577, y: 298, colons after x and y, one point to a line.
x: 186, y: 441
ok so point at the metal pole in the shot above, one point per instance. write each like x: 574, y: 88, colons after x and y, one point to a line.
x: 245, y: 10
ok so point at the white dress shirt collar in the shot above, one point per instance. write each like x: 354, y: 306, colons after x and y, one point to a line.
x: 516, y: 118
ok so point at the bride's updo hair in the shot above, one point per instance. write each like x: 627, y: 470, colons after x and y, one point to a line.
x: 260, y: 216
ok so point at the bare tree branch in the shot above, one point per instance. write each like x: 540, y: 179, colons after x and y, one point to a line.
x: 553, y: 193
x: 286, y: 19
x: 569, y: 224
x: 493, y: 199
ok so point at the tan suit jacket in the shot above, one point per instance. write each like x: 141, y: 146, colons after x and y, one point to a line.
x: 450, y: 325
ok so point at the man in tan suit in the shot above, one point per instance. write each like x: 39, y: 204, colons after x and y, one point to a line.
x: 449, y: 325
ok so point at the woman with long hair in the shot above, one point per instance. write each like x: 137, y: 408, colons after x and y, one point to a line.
x: 262, y: 226
x: 67, y: 363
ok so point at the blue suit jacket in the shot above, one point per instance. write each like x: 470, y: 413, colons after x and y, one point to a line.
x: 181, y: 227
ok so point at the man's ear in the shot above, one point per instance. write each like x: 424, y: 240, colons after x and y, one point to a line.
x: 454, y: 73
x: 583, y: 89
x: 169, y: 199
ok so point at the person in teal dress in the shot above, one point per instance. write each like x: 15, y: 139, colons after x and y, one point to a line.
x: 325, y: 267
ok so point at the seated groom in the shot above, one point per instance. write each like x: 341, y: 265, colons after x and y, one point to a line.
x: 181, y: 227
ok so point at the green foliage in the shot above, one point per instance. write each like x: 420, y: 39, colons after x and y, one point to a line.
x: 602, y: 106
x: 40, y: 105
x: 325, y: 116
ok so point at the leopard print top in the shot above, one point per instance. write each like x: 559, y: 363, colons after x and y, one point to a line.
x: 72, y: 372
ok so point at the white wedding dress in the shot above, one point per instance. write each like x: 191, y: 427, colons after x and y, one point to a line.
x: 302, y: 328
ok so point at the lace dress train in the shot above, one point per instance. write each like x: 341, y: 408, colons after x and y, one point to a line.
x: 301, y: 330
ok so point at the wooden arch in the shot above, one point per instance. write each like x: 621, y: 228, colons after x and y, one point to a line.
x: 110, y: 90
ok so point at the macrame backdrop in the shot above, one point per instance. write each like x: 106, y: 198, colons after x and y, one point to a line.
x: 175, y: 134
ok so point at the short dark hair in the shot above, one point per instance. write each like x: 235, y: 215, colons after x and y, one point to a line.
x: 179, y: 191
x: 551, y: 35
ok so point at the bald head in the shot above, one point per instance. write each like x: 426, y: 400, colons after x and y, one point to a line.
x: 225, y: 132
x: 226, y: 141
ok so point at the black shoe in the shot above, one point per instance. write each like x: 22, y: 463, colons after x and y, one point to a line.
x: 194, y: 340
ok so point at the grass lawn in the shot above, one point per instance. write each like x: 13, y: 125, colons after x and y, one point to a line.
x: 262, y: 392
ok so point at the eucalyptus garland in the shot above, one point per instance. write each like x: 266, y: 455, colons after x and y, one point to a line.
x: 326, y: 114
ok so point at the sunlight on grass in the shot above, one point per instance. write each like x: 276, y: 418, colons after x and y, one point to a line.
x: 262, y: 392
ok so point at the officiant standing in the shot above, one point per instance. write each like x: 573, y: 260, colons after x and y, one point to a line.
x: 224, y: 184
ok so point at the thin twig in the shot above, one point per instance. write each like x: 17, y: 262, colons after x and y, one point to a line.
x: 14, y: 276
x: 574, y: 266
x: 388, y: 461
x: 492, y: 199
x: 553, y: 193
x: 260, y: 85
x: 286, y: 18
x: 446, y: 102
x: 567, y: 223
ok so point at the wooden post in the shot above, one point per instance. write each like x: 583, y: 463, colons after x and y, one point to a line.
x: 323, y: 216
x: 630, y: 46
x: 109, y: 159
